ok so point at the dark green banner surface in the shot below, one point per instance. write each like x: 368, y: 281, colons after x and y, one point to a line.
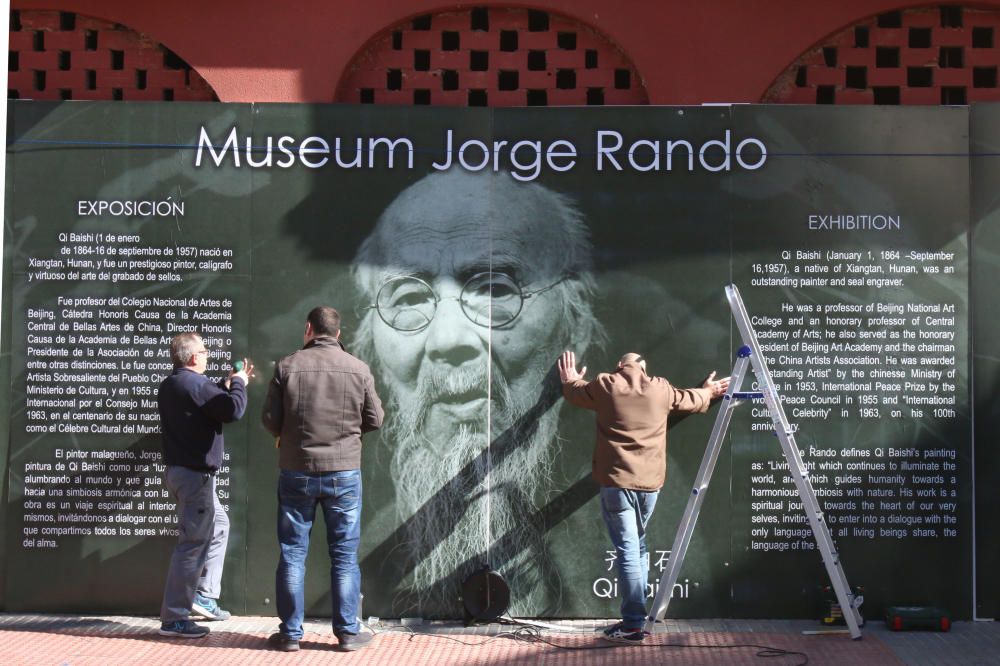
x: 465, y: 249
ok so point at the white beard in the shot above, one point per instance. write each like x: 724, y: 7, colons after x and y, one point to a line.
x: 464, y: 504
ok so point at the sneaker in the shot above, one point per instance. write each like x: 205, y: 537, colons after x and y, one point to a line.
x: 619, y: 633
x: 183, y: 629
x: 613, y: 628
x: 351, y: 642
x: 282, y: 643
x: 208, y: 608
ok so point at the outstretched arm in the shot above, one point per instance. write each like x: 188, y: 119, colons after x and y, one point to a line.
x: 695, y: 400
x: 574, y: 387
x: 717, y: 386
x: 567, y: 368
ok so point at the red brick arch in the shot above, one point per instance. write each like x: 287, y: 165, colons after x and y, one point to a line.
x: 491, y: 57
x: 933, y: 55
x: 65, y: 55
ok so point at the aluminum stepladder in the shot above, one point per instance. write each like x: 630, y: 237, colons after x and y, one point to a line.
x: 750, y: 354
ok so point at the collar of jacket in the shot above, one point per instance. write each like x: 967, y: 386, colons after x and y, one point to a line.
x: 323, y: 341
x: 633, y: 373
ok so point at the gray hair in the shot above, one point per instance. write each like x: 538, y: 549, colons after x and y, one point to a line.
x: 575, y: 252
x: 183, y: 347
x: 632, y: 357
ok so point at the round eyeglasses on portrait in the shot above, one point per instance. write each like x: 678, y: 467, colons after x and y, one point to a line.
x: 492, y: 300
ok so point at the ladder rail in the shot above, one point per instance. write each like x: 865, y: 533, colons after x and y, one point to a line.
x: 750, y: 354
x: 686, y: 528
x: 796, y: 466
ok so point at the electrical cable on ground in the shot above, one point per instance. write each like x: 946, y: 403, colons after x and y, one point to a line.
x: 526, y: 633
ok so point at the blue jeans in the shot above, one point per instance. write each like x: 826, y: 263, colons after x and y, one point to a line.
x: 626, y: 513
x: 339, y: 493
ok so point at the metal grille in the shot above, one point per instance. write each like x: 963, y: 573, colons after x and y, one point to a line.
x: 943, y: 55
x: 491, y: 57
x: 63, y: 55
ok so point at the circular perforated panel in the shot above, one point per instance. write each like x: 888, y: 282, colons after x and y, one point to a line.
x: 63, y: 55
x: 491, y: 57
x: 941, y: 55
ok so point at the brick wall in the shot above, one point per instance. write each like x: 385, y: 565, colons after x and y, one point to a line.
x: 940, y: 55
x: 501, y: 56
x: 64, y: 55
x: 491, y: 57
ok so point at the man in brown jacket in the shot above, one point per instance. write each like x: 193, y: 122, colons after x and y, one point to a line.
x: 319, y: 403
x: 630, y: 462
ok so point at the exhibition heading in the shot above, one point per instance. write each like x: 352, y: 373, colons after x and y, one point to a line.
x: 525, y: 159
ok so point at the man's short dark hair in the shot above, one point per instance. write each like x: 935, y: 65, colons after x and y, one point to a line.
x: 324, y: 320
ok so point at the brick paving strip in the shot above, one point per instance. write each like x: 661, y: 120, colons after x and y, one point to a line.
x: 80, y: 640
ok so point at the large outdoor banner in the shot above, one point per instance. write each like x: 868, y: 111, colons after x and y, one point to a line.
x: 985, y: 259
x: 466, y: 249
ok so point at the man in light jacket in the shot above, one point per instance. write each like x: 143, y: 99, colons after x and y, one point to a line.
x: 630, y: 462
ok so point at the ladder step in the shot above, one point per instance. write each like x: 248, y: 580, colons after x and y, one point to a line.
x: 749, y: 354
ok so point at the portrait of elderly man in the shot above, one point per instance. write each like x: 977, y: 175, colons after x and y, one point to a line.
x: 469, y: 283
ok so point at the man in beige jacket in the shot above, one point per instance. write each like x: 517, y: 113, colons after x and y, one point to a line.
x: 630, y: 462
